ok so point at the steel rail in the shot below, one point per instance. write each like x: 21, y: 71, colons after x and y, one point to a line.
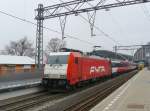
x: 93, y: 99
x: 33, y: 103
x: 10, y: 101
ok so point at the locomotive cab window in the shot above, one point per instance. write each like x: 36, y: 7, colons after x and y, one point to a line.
x: 76, y: 60
x: 58, y: 59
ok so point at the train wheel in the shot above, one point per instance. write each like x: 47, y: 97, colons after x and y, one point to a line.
x: 68, y: 87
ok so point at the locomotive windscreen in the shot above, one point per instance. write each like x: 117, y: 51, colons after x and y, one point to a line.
x: 58, y: 59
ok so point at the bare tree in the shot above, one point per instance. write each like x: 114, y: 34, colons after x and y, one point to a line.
x: 22, y: 47
x: 55, y: 44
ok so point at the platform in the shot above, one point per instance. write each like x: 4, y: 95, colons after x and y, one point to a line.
x: 134, y: 95
x: 18, y: 84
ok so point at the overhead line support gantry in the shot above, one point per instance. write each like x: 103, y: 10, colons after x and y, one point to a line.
x: 59, y: 10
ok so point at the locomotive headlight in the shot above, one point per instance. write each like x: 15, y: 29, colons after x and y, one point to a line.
x: 46, y: 75
x: 63, y: 76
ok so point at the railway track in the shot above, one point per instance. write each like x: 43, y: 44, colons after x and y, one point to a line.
x: 85, y: 100
x: 92, y: 100
x: 28, y: 101
x: 80, y: 102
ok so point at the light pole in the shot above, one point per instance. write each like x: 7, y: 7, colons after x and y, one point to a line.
x: 96, y: 46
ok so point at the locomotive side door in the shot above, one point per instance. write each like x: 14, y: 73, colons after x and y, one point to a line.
x: 78, y: 62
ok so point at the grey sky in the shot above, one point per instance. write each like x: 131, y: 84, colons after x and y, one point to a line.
x: 128, y: 25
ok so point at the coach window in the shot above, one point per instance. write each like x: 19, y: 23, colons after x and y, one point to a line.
x: 113, y: 65
x: 76, y: 60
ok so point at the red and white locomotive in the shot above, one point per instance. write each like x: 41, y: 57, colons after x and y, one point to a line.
x: 71, y: 68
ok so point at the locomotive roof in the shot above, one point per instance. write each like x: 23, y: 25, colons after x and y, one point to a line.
x: 96, y: 57
x: 67, y: 53
x: 59, y: 53
x: 115, y: 61
x: 9, y: 59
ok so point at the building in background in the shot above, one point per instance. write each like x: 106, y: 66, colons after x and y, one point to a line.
x: 142, y: 54
x: 16, y: 69
x: 16, y: 64
x: 112, y: 55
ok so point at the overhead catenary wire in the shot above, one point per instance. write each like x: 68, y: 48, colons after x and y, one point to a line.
x: 100, y: 30
x: 28, y: 21
x: 52, y: 30
x: 106, y: 35
x: 113, y: 20
x: 146, y: 12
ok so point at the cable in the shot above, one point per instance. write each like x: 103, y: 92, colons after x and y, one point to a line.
x: 115, y: 22
x: 27, y: 21
x: 111, y: 37
x: 100, y: 30
x: 146, y: 12
x: 106, y: 35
